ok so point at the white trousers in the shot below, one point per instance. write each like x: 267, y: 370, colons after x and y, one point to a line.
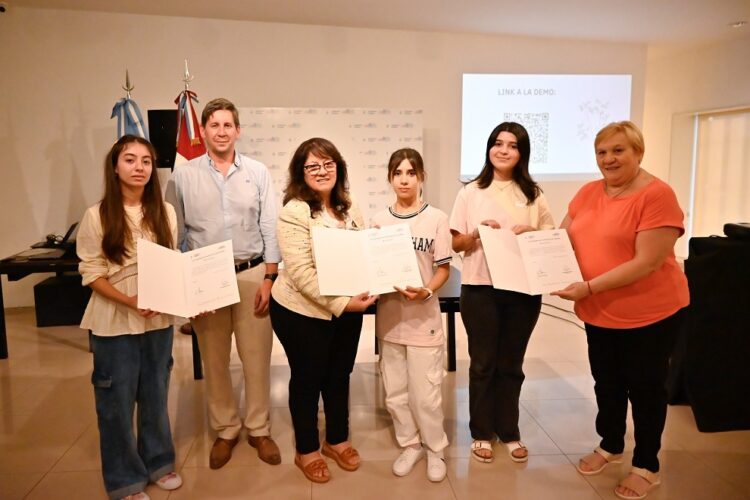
x: 412, y: 377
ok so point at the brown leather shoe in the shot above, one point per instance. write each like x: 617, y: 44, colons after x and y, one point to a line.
x: 268, y: 451
x: 221, y: 452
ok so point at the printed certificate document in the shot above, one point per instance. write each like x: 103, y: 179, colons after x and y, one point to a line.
x: 373, y: 260
x: 186, y: 284
x: 535, y: 262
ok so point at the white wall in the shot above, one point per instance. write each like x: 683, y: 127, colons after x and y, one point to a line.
x: 711, y: 77
x: 678, y: 84
x: 61, y: 72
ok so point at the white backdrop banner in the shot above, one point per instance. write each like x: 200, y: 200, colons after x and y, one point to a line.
x: 365, y: 137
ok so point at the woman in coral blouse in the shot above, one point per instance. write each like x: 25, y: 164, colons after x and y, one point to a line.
x: 624, y: 228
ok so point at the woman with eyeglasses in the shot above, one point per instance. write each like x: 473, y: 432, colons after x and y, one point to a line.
x: 320, y: 334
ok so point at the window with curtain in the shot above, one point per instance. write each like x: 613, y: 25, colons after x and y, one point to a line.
x: 722, y: 172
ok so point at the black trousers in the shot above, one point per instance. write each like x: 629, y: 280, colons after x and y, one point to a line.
x: 632, y: 364
x: 498, y: 325
x: 321, y: 357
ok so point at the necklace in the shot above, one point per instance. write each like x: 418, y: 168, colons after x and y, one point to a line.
x: 623, y: 188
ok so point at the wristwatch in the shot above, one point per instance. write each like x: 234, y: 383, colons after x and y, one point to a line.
x: 429, y: 293
x: 271, y: 276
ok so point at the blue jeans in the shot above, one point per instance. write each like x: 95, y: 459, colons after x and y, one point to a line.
x: 130, y: 370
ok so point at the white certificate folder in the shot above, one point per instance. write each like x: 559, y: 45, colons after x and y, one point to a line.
x: 533, y: 263
x: 374, y: 260
x: 186, y: 284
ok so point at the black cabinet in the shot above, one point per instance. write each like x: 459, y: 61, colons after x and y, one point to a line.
x: 715, y: 364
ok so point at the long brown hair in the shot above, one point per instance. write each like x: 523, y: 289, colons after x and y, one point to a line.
x: 297, y: 188
x: 521, y: 176
x: 414, y: 159
x: 117, y: 237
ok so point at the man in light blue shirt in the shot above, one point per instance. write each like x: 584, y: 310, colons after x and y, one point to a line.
x: 219, y: 196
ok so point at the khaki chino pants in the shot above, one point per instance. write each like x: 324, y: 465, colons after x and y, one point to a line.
x: 254, y: 340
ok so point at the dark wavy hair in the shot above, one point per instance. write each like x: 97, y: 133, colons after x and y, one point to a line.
x: 520, y: 173
x: 117, y: 237
x: 297, y: 188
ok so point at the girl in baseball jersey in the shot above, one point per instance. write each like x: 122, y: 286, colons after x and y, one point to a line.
x: 409, y: 326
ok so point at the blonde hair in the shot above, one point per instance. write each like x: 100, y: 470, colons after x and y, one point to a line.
x: 631, y: 131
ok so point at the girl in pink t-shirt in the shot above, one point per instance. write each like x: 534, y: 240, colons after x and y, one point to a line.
x: 409, y: 326
x: 498, y: 323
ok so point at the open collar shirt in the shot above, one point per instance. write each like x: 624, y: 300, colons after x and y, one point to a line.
x: 212, y: 208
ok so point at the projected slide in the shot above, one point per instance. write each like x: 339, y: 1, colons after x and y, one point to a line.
x: 562, y: 114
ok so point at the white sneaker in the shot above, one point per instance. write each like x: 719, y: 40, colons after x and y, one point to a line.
x: 169, y: 482
x: 436, y: 469
x: 406, y: 461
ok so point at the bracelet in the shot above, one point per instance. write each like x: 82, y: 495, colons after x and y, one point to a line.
x: 429, y: 293
x: 591, y: 292
x: 271, y: 276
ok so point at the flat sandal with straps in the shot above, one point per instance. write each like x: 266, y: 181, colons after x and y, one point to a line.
x: 609, y: 458
x: 310, y: 469
x: 517, y: 445
x: 480, y: 444
x: 651, y: 478
x: 349, y: 459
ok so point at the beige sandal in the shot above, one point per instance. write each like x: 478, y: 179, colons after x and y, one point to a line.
x: 651, y: 478
x: 479, y: 444
x: 517, y: 445
x: 610, y: 458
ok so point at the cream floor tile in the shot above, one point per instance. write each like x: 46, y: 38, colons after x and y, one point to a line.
x: 375, y: 481
x: 58, y: 395
x: 365, y: 385
x: 243, y: 453
x: 80, y: 485
x: 34, y: 443
x: 568, y: 422
x: 83, y: 455
x: 732, y: 467
x: 459, y: 435
x: 16, y: 486
x: 236, y: 481
x: 682, y: 476
x: 546, y: 477
x: 372, y: 433
x: 555, y: 380
x: 49, y: 441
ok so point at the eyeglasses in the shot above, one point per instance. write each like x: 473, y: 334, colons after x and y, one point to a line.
x: 314, y: 168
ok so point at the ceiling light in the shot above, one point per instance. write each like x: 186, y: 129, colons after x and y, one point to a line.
x: 737, y: 24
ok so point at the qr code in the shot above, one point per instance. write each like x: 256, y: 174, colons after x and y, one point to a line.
x: 537, y: 125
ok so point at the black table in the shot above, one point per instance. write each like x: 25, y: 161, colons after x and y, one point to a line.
x: 448, y: 295
x: 19, y: 269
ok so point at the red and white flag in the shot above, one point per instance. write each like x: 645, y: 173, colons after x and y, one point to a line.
x: 189, y: 142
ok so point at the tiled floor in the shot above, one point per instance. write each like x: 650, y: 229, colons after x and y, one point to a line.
x: 49, y: 445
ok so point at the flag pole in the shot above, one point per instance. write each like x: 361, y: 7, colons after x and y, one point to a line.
x: 127, y: 87
x: 187, y: 78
